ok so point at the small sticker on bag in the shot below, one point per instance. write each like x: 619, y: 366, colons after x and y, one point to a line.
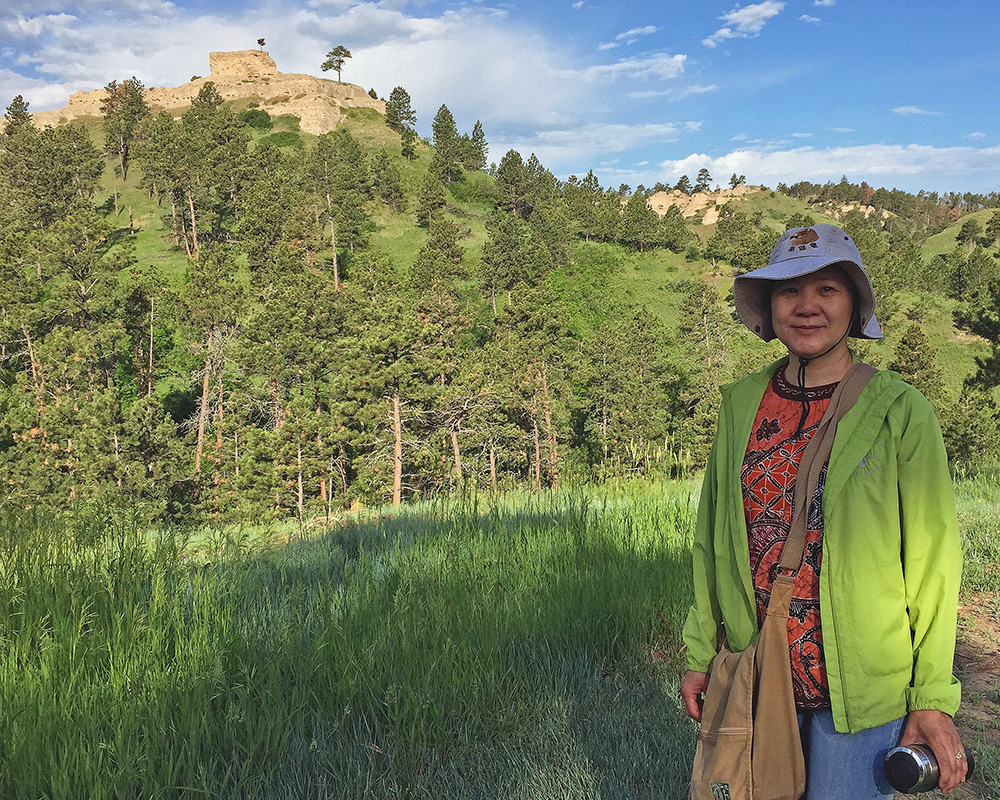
x: 720, y: 791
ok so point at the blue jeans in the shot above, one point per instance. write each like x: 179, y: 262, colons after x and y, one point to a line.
x: 846, y: 766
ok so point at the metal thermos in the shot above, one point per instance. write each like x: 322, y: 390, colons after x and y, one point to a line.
x: 913, y: 768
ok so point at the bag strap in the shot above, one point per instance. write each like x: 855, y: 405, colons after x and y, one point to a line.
x: 813, y: 459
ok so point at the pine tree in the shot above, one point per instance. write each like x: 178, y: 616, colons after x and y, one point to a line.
x: 335, y: 60
x: 399, y: 115
x: 441, y: 258
x: 447, y: 147
x: 914, y: 360
x: 703, y: 182
x: 16, y: 117
x: 124, y: 108
x: 430, y: 200
x: 387, y: 183
x: 474, y: 157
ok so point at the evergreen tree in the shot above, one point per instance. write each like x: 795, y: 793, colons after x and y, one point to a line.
x: 640, y: 226
x: 399, y: 115
x: 915, y: 362
x: 992, y: 231
x: 703, y: 329
x: 340, y: 176
x: 16, y: 117
x: 475, y: 149
x: 674, y: 232
x: 124, y: 108
x: 206, y: 179
x: 981, y: 317
x: 684, y: 185
x: 409, y: 138
x: 447, y: 147
x: 704, y: 180
x: 335, y: 60
x: 971, y: 427
x: 969, y: 233
x: 430, y: 200
x: 441, y: 258
x: 387, y: 183
x: 534, y: 346
x: 632, y: 391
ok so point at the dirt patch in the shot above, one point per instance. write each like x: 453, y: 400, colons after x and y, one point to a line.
x: 977, y: 665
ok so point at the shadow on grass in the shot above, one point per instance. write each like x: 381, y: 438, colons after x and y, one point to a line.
x: 513, y: 653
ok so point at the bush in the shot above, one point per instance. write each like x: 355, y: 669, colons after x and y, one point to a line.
x: 474, y: 187
x: 256, y: 118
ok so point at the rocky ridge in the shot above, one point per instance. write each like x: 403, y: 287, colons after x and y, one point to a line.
x: 693, y: 204
x: 249, y: 75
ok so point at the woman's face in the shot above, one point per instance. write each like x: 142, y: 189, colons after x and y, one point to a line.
x: 811, y: 313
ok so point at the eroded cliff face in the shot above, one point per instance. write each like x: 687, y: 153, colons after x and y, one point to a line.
x: 240, y: 75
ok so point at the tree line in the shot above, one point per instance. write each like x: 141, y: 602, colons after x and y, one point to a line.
x: 294, y: 369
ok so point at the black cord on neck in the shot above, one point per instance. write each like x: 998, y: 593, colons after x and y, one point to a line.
x: 801, y: 379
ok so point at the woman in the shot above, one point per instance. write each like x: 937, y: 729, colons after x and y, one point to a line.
x: 872, y: 624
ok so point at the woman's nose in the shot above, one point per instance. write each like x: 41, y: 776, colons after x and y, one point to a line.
x: 807, y: 304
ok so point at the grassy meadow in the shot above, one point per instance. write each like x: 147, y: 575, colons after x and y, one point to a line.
x: 526, y: 647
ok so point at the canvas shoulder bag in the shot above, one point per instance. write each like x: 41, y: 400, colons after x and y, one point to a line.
x: 748, y: 745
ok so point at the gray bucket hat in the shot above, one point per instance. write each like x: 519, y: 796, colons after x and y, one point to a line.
x: 800, y: 251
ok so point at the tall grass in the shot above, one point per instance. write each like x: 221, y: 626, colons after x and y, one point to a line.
x: 527, y: 648
x: 978, y: 500
x: 521, y: 648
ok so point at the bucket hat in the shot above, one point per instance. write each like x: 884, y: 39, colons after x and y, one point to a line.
x: 801, y: 251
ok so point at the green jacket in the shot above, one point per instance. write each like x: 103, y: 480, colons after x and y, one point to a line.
x: 891, y: 562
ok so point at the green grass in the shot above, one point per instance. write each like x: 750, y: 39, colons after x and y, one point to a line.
x: 522, y: 647
x: 978, y: 500
x: 946, y: 241
x: 529, y: 647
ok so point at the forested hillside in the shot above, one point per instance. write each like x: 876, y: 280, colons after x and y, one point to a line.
x: 219, y: 316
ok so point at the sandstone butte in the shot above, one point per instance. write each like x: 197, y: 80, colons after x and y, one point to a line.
x: 241, y: 75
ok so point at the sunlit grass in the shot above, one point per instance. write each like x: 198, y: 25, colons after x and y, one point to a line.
x: 447, y: 651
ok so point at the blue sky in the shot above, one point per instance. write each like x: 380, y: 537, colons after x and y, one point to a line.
x: 900, y: 94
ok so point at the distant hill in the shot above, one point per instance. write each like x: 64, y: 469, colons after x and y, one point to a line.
x: 241, y: 77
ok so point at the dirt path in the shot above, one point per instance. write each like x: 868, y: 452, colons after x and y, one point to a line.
x: 977, y: 664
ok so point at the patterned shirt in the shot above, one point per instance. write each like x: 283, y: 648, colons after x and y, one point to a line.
x: 768, y: 476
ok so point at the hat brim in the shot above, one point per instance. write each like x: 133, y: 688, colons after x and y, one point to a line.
x: 752, y: 294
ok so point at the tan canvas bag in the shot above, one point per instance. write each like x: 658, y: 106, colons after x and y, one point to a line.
x: 748, y: 745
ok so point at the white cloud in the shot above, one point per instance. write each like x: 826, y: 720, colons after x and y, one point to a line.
x: 631, y: 35
x: 824, y: 3
x: 801, y: 135
x: 657, y: 65
x: 975, y: 136
x: 679, y: 93
x: 607, y: 46
x: 578, y: 5
x: 575, y: 147
x: 906, y: 111
x: 807, y: 18
x: 843, y: 130
x: 916, y: 166
x: 745, y: 22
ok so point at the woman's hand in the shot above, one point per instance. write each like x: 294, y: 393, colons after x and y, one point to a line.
x: 937, y: 729
x: 693, y: 693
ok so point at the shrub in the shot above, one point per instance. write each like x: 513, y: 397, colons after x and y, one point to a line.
x: 256, y: 118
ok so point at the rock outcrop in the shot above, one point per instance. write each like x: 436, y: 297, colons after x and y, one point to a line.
x: 249, y: 75
x: 694, y: 204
